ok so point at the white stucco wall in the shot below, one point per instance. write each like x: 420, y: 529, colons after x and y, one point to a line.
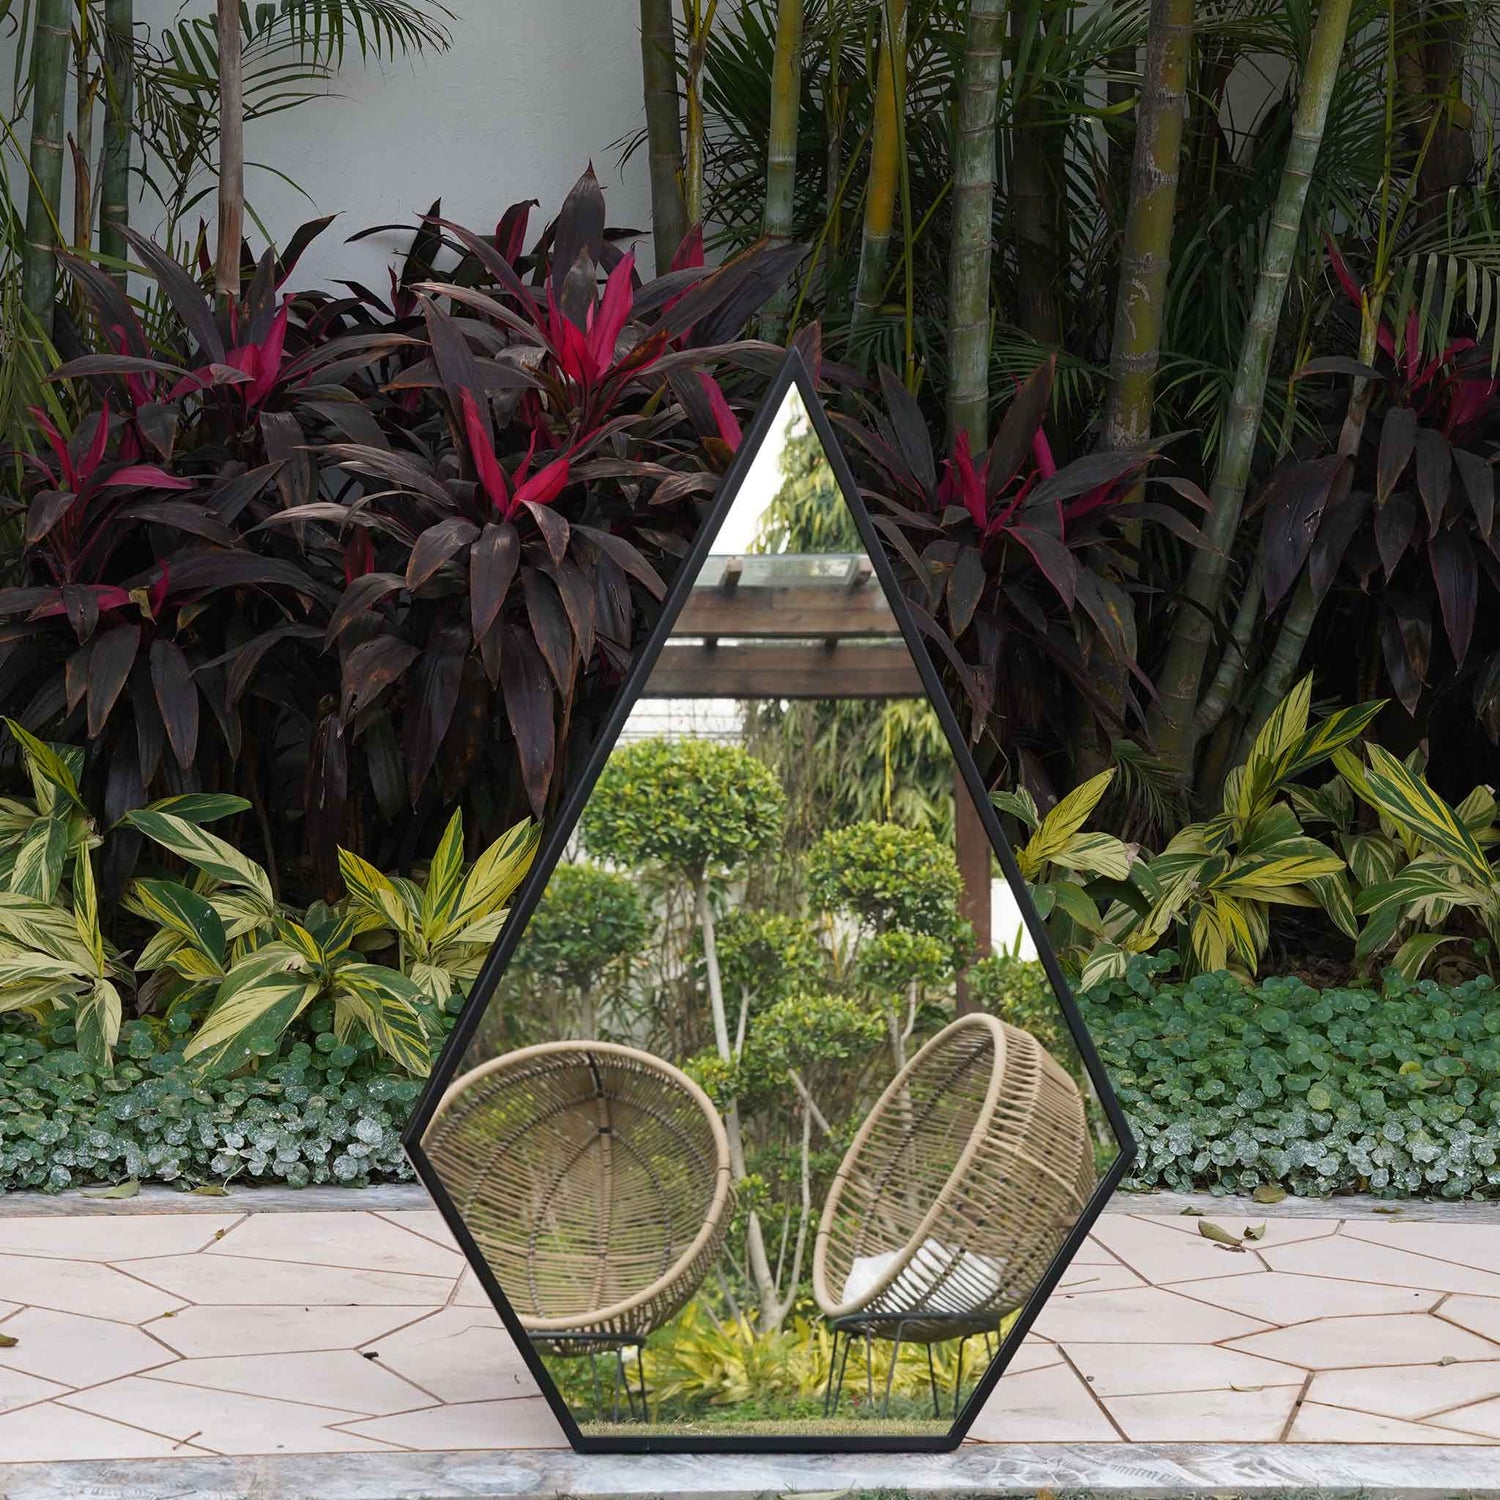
x: 530, y: 92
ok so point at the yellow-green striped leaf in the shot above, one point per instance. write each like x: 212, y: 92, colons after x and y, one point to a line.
x: 199, y: 807
x: 96, y: 1021
x: 1062, y: 822
x: 49, y: 929
x: 369, y: 889
x: 1096, y: 854
x: 1408, y: 800
x: 1278, y: 737
x: 258, y: 999
x: 183, y: 912
x: 86, y: 911
x: 444, y: 877
x: 383, y: 1000
x: 496, y: 873
x: 38, y: 869
x: 209, y: 853
x: 1411, y: 957
x: 48, y: 768
x: 1340, y: 728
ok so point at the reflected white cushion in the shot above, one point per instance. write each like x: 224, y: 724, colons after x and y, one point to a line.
x: 975, y: 1279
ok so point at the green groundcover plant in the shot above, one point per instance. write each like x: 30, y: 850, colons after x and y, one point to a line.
x: 1393, y: 1090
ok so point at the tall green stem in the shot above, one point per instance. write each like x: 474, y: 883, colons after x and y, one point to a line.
x: 884, y: 178
x: 700, y: 20
x: 1146, y: 253
x: 781, y: 152
x: 1036, y: 182
x: 50, y: 56
x: 231, y: 151
x: 1192, y: 633
x: 663, y: 129
x: 973, y: 224
x: 119, y: 120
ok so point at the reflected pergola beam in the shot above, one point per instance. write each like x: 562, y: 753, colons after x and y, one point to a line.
x: 810, y: 626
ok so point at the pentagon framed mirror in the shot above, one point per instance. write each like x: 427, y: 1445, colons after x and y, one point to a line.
x: 722, y: 1130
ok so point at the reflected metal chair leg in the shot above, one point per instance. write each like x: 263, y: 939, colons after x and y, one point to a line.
x: 958, y: 1379
x: 598, y: 1395
x: 870, y: 1369
x: 619, y: 1380
x: 640, y: 1370
x: 890, y: 1374
x: 937, y: 1410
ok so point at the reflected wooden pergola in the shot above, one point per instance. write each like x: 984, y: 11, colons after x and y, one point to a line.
x: 808, y: 626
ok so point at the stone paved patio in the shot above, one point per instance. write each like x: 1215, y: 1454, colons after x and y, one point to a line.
x: 155, y: 1332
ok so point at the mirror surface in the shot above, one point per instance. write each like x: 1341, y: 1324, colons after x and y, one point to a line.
x: 752, y: 1138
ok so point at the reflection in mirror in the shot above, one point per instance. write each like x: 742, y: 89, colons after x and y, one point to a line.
x: 750, y: 1136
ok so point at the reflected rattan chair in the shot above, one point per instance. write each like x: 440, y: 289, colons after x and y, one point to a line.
x: 595, y: 1180
x: 954, y: 1197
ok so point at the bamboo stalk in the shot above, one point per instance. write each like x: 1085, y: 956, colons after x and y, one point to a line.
x: 1036, y: 169
x: 663, y: 129
x: 1187, y: 654
x: 884, y: 178
x: 50, y: 46
x: 231, y: 151
x: 781, y: 152
x: 85, y: 91
x: 119, y: 118
x: 700, y: 18
x: 969, y: 321
x: 1146, y: 252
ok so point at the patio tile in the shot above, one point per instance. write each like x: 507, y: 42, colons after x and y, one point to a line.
x: 427, y: 1222
x: 1043, y: 1406
x: 470, y: 1293
x: 1034, y: 1354
x: 340, y: 1378
x: 359, y: 1241
x: 49, y: 1432
x: 1483, y: 1418
x: 1332, y: 1424
x: 233, y: 1279
x: 221, y: 1421
x: 1081, y: 1277
x: 203, y: 1332
x: 81, y: 1287
x: 1167, y: 1369
x: 1158, y: 1253
x: 1352, y: 1259
x: 1349, y: 1343
x: 1283, y: 1231
x: 526, y: 1422
x: 458, y: 1354
x: 1475, y: 1245
x: 1092, y: 1253
x: 17, y: 1389
x: 77, y: 1351
x: 1279, y: 1297
x: 1208, y: 1416
x: 1147, y: 1315
x: 107, y: 1237
x: 1478, y: 1314
x: 1411, y: 1393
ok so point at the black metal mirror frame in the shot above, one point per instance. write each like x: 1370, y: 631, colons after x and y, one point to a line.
x: 793, y: 372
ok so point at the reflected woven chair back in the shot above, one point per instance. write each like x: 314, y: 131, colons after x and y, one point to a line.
x: 593, y: 1177
x: 960, y: 1186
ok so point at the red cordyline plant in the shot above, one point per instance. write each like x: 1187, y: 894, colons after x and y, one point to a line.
x: 373, y: 557
x: 1017, y: 569
x: 1403, y: 525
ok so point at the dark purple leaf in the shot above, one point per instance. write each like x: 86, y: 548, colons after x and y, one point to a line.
x: 1058, y: 565
x: 1398, y: 436
x: 185, y: 295
x: 109, y: 665
x: 432, y: 695
x: 1479, y: 484
x: 235, y: 494
x: 246, y: 658
x: 82, y: 605
x: 45, y: 511
x: 1456, y: 575
x: 627, y: 557
x: 1109, y: 607
x: 1085, y: 474
x: 492, y: 566
x: 910, y: 429
x: 1343, y: 516
x: 286, y: 445
x: 1406, y: 643
x: 554, y: 529
x: 718, y: 308
x: 579, y: 229
x: 1395, y: 521
x: 577, y: 591
x: 1336, y: 364
x: 549, y: 627
x: 1294, y: 499
x: 114, y: 364
x: 370, y: 668
x: 1434, y: 472
x: 528, y: 706
x: 364, y: 593
x: 177, y: 698
x: 1019, y: 426
x: 395, y: 467
x: 182, y: 515
x: 435, y: 546
x: 965, y: 586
